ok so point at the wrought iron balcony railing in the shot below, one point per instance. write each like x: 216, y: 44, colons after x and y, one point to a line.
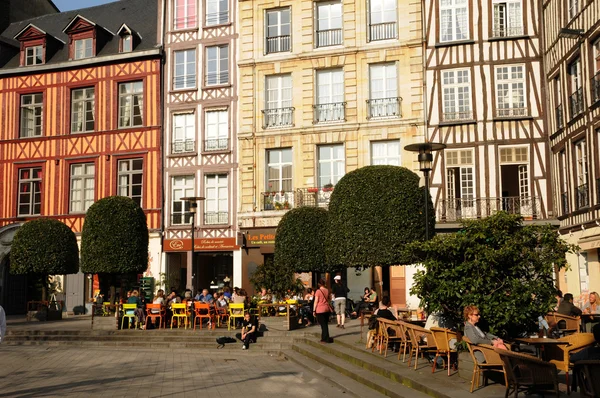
x: 183, y: 146
x: 280, y: 200
x: 214, y: 79
x: 278, y: 44
x: 213, y: 218
x: 451, y: 210
x: 564, y: 201
x: 333, y: 112
x: 313, y: 197
x: 596, y: 87
x: 278, y: 117
x: 383, y: 31
x: 217, y: 18
x: 583, y: 196
x: 576, y: 102
x: 217, y: 144
x: 457, y: 116
x: 183, y: 82
x: 559, y: 117
x: 503, y: 31
x: 511, y: 112
x: 329, y: 37
x: 384, y: 107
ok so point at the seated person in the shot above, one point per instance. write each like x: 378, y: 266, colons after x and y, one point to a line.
x: 187, y: 295
x: 139, y: 311
x: 566, y: 306
x: 173, y: 297
x: 591, y: 307
x: 589, y: 353
x: 221, y: 301
x: 265, y: 297
x: 384, y: 310
x: 368, y: 300
x: 206, y: 297
x: 248, y: 331
x: 227, y: 293
x: 477, y: 336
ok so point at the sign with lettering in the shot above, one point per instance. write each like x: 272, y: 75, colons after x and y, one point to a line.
x: 260, y: 237
x: 200, y: 244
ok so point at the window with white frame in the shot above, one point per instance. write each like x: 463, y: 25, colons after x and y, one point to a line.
x: 460, y: 184
x: 329, y: 23
x: 510, y: 91
x: 331, y: 164
x: 185, y: 69
x: 32, y: 106
x: 385, y: 153
x: 454, y: 15
x: 82, y: 109
x: 184, y: 14
x: 278, y: 108
x: 278, y: 37
x: 34, y: 55
x: 181, y: 187
x: 574, y: 8
x: 83, y: 48
x: 216, y: 133
x: 558, y: 109
x: 216, y: 204
x: 217, y: 65
x: 130, y: 179
x: 581, y: 174
x: 217, y: 12
x: 81, y: 195
x: 383, y: 91
x: 279, y: 170
x: 30, y: 191
x: 596, y: 70
x: 131, y: 104
x: 576, y: 96
x: 563, y: 182
x: 508, y: 18
x: 330, y: 96
x: 126, y: 43
x: 515, y: 182
x: 456, y: 87
x: 383, y: 20
x: 184, y: 133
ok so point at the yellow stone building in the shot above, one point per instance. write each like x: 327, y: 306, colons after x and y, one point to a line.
x: 325, y: 87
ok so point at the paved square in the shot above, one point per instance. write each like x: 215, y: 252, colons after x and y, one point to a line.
x: 63, y: 371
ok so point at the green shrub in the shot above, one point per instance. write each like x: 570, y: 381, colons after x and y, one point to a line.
x: 374, y: 212
x: 114, y: 238
x: 300, y: 240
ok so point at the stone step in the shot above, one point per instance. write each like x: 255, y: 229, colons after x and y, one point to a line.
x: 273, y: 348
x: 154, y: 332
x: 356, y: 372
x: 395, y: 370
x: 138, y: 336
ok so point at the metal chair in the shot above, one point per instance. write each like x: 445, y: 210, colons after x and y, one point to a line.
x: 129, y: 313
x: 236, y: 310
x: 180, y: 313
x: 151, y: 316
x: 202, y: 311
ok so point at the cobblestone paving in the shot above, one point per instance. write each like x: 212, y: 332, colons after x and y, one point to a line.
x: 78, y: 372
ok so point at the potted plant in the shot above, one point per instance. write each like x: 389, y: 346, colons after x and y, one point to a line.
x: 286, y: 205
x: 328, y: 187
x: 278, y: 205
x: 313, y: 190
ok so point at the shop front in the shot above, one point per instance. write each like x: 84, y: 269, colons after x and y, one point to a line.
x: 258, y: 247
x: 215, y: 263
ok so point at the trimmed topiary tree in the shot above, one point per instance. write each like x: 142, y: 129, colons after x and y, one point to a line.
x: 279, y: 280
x: 374, y: 212
x: 44, y: 247
x: 300, y: 240
x: 114, y: 239
x: 504, y: 268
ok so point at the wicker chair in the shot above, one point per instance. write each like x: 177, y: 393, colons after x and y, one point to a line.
x: 559, y: 354
x: 385, y: 327
x: 421, y: 341
x: 492, y: 363
x: 565, y: 324
x: 587, y: 374
x: 527, y: 373
x: 442, y: 338
x: 404, y: 338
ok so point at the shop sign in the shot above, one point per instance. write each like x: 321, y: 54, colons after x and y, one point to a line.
x: 211, y: 244
x: 260, y: 237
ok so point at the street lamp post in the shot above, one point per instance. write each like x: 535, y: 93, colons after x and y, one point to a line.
x: 193, y: 207
x: 425, y: 151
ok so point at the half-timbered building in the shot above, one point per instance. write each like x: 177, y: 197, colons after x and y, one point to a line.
x: 572, y: 67
x: 79, y: 99
x: 485, y: 101
x: 200, y: 113
x: 326, y: 87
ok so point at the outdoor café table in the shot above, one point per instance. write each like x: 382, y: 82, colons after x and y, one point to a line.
x: 418, y: 322
x: 588, y: 321
x: 539, y: 343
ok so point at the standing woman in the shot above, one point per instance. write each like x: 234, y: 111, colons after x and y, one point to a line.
x: 321, y: 310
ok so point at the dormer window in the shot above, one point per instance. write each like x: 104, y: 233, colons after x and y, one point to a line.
x: 83, y: 48
x: 127, y: 43
x: 34, y: 55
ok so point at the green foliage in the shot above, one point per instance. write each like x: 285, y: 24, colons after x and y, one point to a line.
x: 114, y: 237
x: 280, y: 280
x: 374, y: 212
x: 504, y: 268
x: 300, y: 240
x: 45, y: 247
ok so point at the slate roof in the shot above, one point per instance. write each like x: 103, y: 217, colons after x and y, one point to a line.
x: 139, y: 15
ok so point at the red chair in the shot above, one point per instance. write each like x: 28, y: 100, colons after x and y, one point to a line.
x: 153, y: 315
x: 221, y: 315
x: 201, y: 311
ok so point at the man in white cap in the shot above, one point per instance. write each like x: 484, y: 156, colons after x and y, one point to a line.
x: 340, y: 292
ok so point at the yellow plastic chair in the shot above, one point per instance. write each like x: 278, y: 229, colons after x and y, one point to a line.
x: 180, y: 314
x: 236, y: 310
x: 129, y: 312
x: 106, y: 308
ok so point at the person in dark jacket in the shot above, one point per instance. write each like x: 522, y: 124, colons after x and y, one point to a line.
x: 566, y: 306
x: 340, y: 294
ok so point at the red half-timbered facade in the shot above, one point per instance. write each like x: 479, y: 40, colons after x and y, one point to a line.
x: 81, y: 119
